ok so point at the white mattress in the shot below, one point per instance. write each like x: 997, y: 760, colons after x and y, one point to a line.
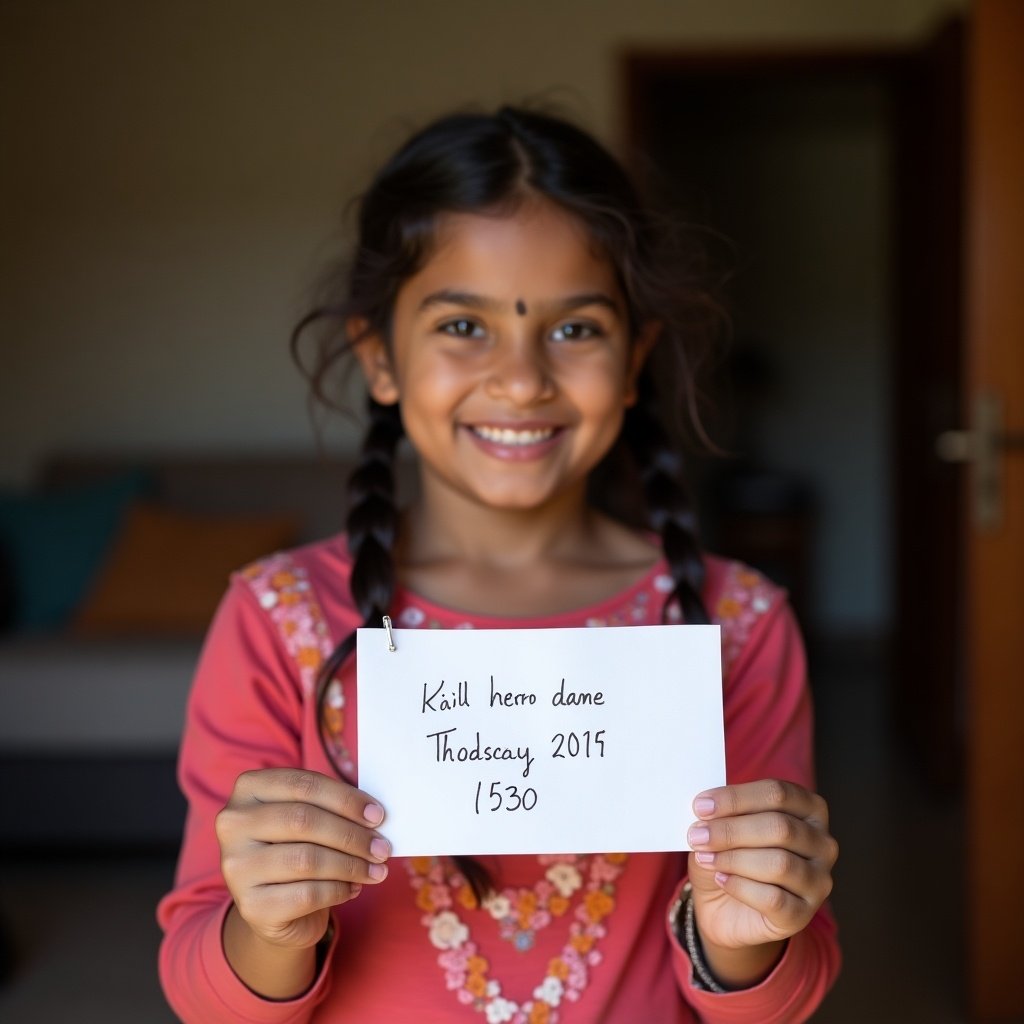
x: 78, y: 696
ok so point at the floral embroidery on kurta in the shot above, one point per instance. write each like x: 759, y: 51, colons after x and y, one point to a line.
x: 283, y: 590
x: 574, y: 887
x: 745, y: 597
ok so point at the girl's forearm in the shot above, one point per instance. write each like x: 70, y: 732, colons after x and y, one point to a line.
x: 274, y: 972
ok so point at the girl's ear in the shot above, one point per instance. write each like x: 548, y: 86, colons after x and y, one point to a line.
x: 638, y: 353
x: 374, y: 360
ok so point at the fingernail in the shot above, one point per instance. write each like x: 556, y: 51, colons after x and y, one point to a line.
x: 380, y: 848
x: 704, y: 806
x: 378, y: 872
x: 721, y: 877
x: 698, y: 835
x: 354, y: 890
x: 705, y: 857
x: 373, y: 813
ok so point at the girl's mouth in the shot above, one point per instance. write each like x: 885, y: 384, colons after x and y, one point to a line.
x: 515, y: 443
x: 507, y: 435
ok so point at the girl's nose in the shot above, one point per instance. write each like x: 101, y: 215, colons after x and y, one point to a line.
x: 520, y: 374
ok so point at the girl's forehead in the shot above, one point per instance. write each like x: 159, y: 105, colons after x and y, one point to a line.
x: 535, y: 250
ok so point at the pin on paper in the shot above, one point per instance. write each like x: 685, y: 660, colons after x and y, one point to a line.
x: 391, y: 636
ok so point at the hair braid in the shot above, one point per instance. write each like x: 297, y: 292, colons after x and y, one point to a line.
x: 372, y: 524
x: 670, y: 509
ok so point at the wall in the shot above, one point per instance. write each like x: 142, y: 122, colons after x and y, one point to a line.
x: 175, y: 175
x: 175, y: 172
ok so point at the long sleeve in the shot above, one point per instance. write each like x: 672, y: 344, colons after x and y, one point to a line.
x: 768, y: 729
x: 245, y: 712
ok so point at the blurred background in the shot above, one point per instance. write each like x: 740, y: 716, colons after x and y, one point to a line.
x: 174, y: 179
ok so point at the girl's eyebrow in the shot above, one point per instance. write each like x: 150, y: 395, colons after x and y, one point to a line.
x: 450, y: 297
x: 584, y: 299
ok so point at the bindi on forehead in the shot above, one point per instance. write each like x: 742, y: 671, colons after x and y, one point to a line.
x: 520, y: 307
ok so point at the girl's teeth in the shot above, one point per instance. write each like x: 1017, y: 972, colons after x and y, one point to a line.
x: 503, y: 435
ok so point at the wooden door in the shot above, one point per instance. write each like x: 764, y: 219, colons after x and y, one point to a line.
x: 995, y: 535
x: 927, y: 681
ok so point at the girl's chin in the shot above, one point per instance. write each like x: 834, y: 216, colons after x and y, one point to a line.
x: 501, y: 496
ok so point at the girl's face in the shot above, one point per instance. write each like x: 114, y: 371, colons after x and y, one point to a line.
x: 510, y: 357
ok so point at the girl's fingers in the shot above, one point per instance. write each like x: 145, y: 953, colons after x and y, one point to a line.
x: 766, y: 830
x: 293, y: 785
x: 291, y: 901
x: 805, y: 879
x: 299, y: 823
x: 294, y: 843
x: 780, y: 908
x: 764, y: 795
x: 770, y: 813
x: 765, y: 845
x: 279, y: 863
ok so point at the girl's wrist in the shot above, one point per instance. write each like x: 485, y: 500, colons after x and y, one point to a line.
x: 269, y: 970
x: 744, y: 967
x: 720, y: 968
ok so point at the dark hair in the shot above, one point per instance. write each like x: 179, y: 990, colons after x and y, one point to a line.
x: 491, y: 163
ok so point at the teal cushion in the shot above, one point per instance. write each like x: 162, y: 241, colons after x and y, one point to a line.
x: 55, y: 541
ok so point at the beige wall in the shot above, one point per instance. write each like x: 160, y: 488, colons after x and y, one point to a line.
x: 173, y: 174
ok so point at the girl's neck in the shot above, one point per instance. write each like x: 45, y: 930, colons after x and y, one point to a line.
x: 542, y: 561
x: 445, y: 526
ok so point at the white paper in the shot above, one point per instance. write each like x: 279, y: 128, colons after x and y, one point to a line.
x: 616, y: 772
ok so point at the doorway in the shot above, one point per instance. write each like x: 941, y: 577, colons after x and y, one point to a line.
x: 837, y: 179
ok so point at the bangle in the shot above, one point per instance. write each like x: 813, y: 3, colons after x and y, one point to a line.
x: 690, y: 938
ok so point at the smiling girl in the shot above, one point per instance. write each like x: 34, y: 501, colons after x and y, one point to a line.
x: 515, y: 313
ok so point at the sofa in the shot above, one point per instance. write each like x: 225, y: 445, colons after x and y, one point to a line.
x: 113, y: 567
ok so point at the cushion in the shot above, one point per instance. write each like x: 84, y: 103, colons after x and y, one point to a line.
x: 55, y: 541
x: 168, y: 570
x: 8, y: 591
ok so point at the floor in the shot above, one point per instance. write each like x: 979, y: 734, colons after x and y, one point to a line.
x: 896, y: 895
x: 85, y: 938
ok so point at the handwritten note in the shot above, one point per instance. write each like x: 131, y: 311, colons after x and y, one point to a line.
x: 539, y: 740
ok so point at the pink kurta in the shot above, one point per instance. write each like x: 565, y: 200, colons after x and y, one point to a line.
x: 569, y: 939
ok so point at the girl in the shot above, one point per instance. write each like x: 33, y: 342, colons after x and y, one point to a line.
x: 508, y: 303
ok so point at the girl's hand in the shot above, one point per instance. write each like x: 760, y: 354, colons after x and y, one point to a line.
x: 293, y: 844
x: 761, y: 866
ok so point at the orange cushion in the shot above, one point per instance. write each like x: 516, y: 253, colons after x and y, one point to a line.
x: 167, y: 570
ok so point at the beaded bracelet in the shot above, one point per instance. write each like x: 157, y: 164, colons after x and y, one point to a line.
x: 690, y: 938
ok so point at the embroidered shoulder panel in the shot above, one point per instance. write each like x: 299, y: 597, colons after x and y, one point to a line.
x: 744, y: 598
x: 284, y: 592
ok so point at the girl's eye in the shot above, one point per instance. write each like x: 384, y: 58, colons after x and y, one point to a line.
x: 462, y: 328
x: 574, y: 331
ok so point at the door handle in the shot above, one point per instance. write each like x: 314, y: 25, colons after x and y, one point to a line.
x: 983, y: 447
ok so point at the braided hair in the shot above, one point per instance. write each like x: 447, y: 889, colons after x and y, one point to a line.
x: 371, y: 528
x: 480, y: 163
x: 669, y: 508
